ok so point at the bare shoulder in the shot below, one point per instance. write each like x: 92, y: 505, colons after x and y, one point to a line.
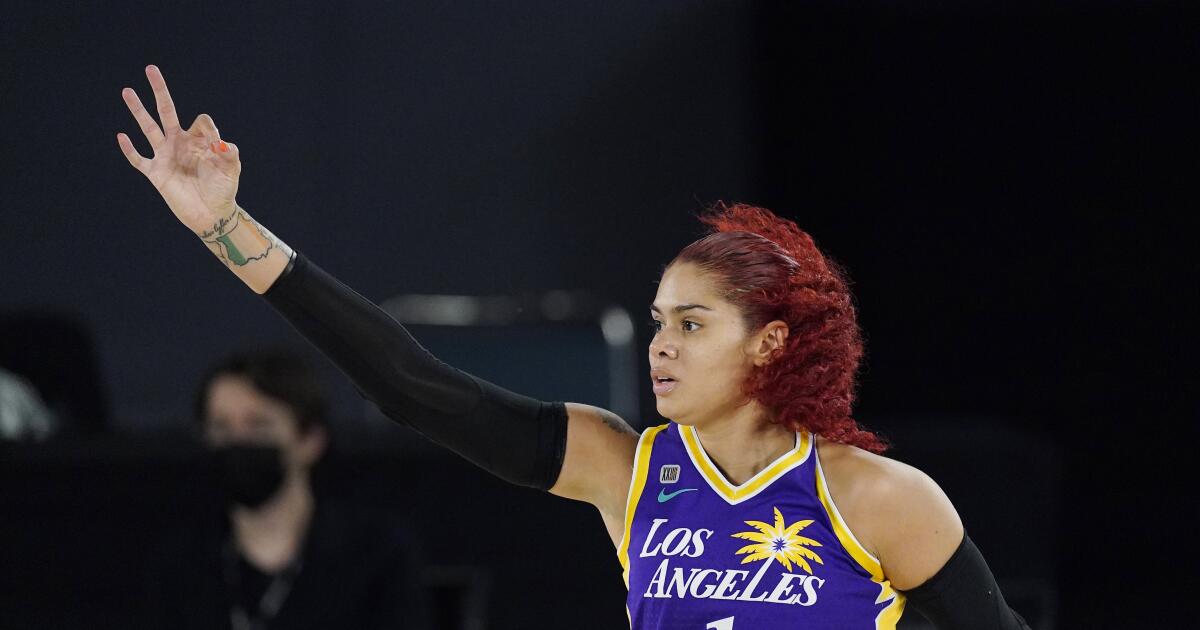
x: 898, y: 513
x: 857, y: 474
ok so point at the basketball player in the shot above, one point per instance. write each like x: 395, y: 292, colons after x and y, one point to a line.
x: 761, y: 505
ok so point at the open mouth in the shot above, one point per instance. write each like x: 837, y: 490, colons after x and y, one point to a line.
x: 663, y: 384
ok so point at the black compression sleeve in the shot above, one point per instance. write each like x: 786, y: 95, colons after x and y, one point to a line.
x: 963, y: 595
x: 517, y: 438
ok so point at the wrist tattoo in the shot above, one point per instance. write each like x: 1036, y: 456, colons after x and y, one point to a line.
x: 223, y: 226
x: 220, y: 240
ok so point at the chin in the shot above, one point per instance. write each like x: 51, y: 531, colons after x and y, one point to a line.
x: 671, y: 412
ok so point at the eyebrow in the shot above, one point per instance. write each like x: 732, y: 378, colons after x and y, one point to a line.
x: 681, y: 308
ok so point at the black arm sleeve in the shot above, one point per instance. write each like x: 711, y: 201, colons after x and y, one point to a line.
x: 517, y: 438
x: 963, y: 595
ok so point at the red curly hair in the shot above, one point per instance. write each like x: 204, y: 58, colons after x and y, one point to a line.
x: 770, y: 270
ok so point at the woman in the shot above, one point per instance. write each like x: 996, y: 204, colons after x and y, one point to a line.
x: 762, y: 505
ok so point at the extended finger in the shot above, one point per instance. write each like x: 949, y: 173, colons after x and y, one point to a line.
x: 131, y: 154
x: 144, y: 119
x: 166, y: 107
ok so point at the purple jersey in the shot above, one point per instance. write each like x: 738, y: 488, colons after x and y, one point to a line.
x: 702, y: 554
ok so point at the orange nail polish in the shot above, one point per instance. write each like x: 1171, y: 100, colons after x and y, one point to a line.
x: 224, y: 147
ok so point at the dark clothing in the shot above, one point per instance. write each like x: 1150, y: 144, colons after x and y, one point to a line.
x: 356, y: 570
x: 515, y: 437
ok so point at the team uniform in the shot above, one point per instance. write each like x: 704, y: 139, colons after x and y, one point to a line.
x: 702, y: 554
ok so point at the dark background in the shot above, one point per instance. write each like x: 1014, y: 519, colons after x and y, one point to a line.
x: 1007, y: 184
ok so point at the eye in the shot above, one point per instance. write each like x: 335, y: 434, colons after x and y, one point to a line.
x: 655, y: 325
x: 694, y: 326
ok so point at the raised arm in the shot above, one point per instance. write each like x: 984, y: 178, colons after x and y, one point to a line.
x: 550, y: 446
x: 575, y: 451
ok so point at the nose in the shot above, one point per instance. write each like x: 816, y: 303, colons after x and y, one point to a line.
x: 659, y: 347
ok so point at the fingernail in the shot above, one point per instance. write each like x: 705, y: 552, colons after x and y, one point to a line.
x: 224, y: 147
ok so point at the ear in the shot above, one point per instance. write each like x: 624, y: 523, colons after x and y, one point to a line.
x: 768, y: 342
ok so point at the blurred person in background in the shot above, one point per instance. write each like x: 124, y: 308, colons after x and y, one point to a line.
x: 280, y: 557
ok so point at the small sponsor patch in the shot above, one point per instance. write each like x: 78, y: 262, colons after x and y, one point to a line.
x: 668, y: 473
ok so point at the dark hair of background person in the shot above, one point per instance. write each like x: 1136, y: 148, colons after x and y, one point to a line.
x: 279, y: 374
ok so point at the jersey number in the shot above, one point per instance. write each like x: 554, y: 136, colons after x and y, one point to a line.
x: 721, y: 624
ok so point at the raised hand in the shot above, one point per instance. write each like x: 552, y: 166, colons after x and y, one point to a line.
x: 197, y: 175
x: 194, y: 170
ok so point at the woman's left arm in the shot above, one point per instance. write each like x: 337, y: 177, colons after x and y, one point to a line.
x: 926, y: 554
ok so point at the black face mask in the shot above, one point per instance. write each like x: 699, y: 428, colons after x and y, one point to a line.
x: 250, y: 474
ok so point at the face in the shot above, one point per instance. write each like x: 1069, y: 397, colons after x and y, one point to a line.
x: 237, y: 413
x: 702, y: 353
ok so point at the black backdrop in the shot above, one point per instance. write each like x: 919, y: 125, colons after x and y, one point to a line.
x: 1008, y: 186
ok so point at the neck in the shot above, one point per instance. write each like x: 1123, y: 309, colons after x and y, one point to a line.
x: 744, y: 442
x: 270, y: 535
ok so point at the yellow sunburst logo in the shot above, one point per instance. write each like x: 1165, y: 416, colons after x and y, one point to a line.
x: 781, y: 543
